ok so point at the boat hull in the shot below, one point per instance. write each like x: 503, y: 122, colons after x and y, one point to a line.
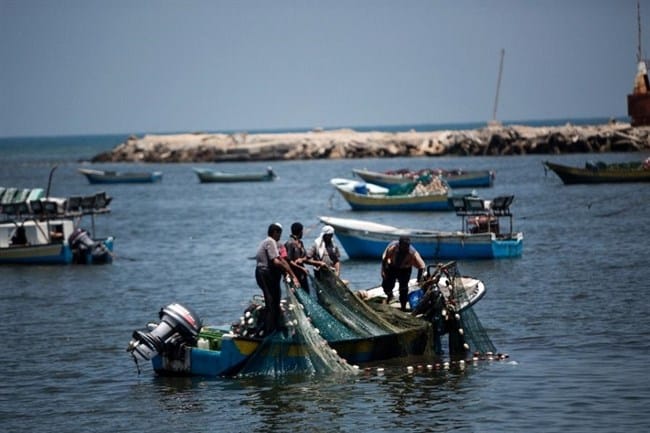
x: 233, y: 352
x: 54, y: 254
x: 376, y: 202
x: 104, y: 177
x: 460, y: 179
x: 211, y: 176
x: 369, y: 242
x: 610, y: 174
x: 50, y: 254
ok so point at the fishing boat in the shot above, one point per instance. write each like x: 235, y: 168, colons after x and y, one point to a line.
x: 455, y: 178
x: 36, y: 229
x: 110, y: 176
x: 482, y: 236
x: 366, y: 196
x: 473, y: 288
x: 206, y: 176
x: 600, y: 172
x: 333, y: 334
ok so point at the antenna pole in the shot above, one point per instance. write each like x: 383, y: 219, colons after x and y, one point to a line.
x: 496, y: 97
x: 638, y: 19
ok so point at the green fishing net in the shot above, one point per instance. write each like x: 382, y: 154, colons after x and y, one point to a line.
x: 297, y: 347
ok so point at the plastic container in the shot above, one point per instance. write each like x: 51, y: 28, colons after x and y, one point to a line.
x: 415, y: 297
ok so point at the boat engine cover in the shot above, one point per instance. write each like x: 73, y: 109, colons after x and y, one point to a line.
x: 175, y: 319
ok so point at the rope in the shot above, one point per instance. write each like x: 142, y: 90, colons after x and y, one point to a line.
x: 589, y: 204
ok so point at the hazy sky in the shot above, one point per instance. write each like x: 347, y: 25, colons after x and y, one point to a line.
x: 95, y: 66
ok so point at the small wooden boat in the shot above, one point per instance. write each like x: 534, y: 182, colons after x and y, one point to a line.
x: 473, y: 289
x: 45, y: 230
x: 108, y: 176
x: 206, y: 175
x: 600, y: 172
x: 367, y: 196
x: 454, y: 178
x: 482, y: 236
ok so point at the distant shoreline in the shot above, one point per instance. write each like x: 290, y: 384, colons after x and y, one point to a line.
x: 493, y: 140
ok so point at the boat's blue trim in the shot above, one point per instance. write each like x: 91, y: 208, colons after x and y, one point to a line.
x: 452, y: 249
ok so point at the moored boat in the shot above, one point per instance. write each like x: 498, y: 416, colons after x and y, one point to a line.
x: 209, y: 176
x: 455, y: 178
x: 47, y: 230
x: 432, y: 196
x: 600, y: 172
x: 111, y: 176
x: 483, y: 235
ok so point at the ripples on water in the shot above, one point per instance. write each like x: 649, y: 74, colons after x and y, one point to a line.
x: 570, y: 312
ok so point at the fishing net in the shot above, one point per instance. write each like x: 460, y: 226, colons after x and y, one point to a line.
x: 473, y: 333
x: 296, y: 348
x: 446, y: 304
x: 348, y: 308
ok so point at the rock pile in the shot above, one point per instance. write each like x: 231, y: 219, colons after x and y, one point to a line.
x: 345, y: 143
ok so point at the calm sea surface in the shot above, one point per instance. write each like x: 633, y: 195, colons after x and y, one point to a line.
x: 571, y: 312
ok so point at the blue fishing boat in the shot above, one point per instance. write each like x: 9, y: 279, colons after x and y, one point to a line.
x: 365, y: 196
x: 111, y: 176
x: 483, y: 235
x: 331, y: 334
x: 455, y: 178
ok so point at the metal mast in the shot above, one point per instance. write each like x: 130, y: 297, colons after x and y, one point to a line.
x: 496, y: 97
x: 638, y: 19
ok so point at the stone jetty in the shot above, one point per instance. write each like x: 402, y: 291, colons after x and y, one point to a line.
x: 493, y: 140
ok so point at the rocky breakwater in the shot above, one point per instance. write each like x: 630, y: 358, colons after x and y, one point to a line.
x: 345, y: 143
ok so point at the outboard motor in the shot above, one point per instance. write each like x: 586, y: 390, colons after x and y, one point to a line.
x: 177, y: 323
x: 79, y: 239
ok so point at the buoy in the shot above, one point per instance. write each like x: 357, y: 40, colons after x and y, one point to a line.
x: 460, y: 331
x: 445, y: 366
x: 247, y: 315
x: 466, y: 346
x: 457, y: 316
x: 380, y: 371
x: 409, y: 369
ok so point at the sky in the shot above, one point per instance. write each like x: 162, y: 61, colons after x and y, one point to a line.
x: 70, y: 67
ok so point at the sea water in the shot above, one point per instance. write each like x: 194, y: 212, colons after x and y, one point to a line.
x: 571, y: 312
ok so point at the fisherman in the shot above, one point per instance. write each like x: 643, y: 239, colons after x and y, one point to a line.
x: 297, y: 255
x: 397, y: 261
x: 323, y: 250
x: 268, y: 274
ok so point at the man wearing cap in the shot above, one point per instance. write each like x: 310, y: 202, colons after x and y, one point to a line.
x: 325, y: 251
x: 396, y: 263
x: 268, y: 274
